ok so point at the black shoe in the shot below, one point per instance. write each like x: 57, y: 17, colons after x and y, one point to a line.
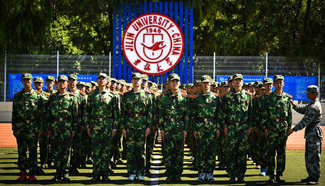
x: 55, y: 179
x: 271, y: 180
x: 65, y: 179
x: 39, y: 171
x: 306, y: 179
x: 313, y: 182
x: 279, y: 180
x: 74, y: 172
x: 105, y: 179
x: 240, y: 180
x: 232, y: 180
x: 178, y: 179
x: 147, y: 172
x: 95, y: 179
x: 170, y: 179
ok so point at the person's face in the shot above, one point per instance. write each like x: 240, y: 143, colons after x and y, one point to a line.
x: 174, y: 84
x: 144, y: 83
x: 83, y: 89
x: 38, y: 85
x: 237, y: 83
x: 101, y: 81
x: 312, y: 96
x: 205, y: 86
x: 62, y: 85
x: 88, y: 90
x: 27, y: 83
x: 268, y: 87
x: 49, y: 84
x: 113, y: 85
x: 136, y: 82
x: 279, y: 84
x: 72, y: 83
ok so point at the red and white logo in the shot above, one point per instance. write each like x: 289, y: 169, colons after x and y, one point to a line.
x: 153, y: 44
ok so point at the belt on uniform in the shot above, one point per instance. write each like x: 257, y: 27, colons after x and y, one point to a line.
x: 102, y: 119
x: 134, y: 115
x: 204, y: 119
x: 61, y: 119
x: 234, y: 123
x: 175, y: 119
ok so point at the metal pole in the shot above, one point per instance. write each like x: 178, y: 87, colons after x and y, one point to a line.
x: 57, y: 64
x: 214, y: 66
x: 110, y: 64
x: 266, y: 64
x: 5, y: 80
x: 319, y: 80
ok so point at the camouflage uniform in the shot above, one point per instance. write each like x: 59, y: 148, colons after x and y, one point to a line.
x: 277, y: 119
x: 62, y: 110
x: 103, y: 115
x: 236, y: 114
x: 173, y: 119
x: 206, y: 124
x: 136, y: 116
x: 26, y: 127
x: 85, y: 141
x: 313, y: 134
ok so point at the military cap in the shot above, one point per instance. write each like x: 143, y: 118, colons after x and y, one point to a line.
x: 250, y: 84
x: 38, y: 80
x: 245, y: 85
x: 197, y: 82
x: 93, y: 83
x: 237, y: 76
x: 230, y: 78
x: 173, y: 76
x: 257, y: 84
x: 81, y: 83
x: 102, y: 75
x: 224, y: 84
x: 73, y: 76
x: 206, y: 79
x: 312, y: 89
x: 88, y: 85
x: 277, y: 77
x: 215, y: 85
x: 122, y: 81
x: 267, y: 81
x: 50, y: 78
x: 62, y: 78
x: 136, y: 75
x: 145, y: 77
x: 189, y: 85
x: 27, y: 76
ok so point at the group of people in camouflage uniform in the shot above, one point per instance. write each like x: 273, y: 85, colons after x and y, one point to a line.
x: 80, y: 123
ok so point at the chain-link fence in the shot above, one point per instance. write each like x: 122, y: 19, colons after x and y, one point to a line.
x: 211, y: 65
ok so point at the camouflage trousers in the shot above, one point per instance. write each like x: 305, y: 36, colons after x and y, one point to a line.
x: 85, y: 147
x: 61, y: 151
x: 135, y: 151
x: 221, y: 149
x: 191, y: 142
x: 27, y: 143
x: 206, y: 156
x: 150, y: 142
x: 257, y: 146
x: 236, y: 152
x: 117, y: 143
x: 102, y: 150
x: 276, y: 151
x: 43, y: 141
x: 173, y: 152
x: 312, y: 156
x: 76, y: 149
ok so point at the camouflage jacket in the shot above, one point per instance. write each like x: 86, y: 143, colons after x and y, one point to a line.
x: 136, y: 111
x: 25, y: 113
x: 103, y: 111
x: 62, y: 112
x: 311, y: 119
x: 277, y: 115
x: 205, y: 112
x: 173, y: 112
x: 44, y: 97
x: 236, y: 109
x: 83, y: 110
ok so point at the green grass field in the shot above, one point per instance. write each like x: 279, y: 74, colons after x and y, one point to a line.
x: 295, y: 170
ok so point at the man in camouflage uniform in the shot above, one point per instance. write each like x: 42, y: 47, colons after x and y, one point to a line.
x: 313, y: 134
x: 103, y: 114
x: 136, y: 121
x: 43, y: 137
x: 25, y: 127
x: 62, y: 110
x: 206, y: 129
x: 277, y: 119
x: 173, y: 121
x: 236, y: 112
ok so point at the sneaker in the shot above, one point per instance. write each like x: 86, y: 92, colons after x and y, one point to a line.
x: 263, y: 172
x: 65, y: 179
x: 95, y: 179
x: 141, y: 178
x: 271, y: 180
x: 312, y: 182
x: 240, y: 180
x: 105, y: 179
x: 201, y: 177
x: 209, y: 177
x: 232, y: 180
x: 55, y: 179
x: 22, y: 177
x: 32, y: 178
x: 132, y: 177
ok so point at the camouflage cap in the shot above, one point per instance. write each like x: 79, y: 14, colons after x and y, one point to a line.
x: 122, y: 81
x: 136, y: 75
x: 81, y: 83
x: 230, y: 79
x: 197, y: 82
x: 38, y: 80
x: 113, y: 80
x: 258, y: 84
x: 145, y: 77
x: 206, y: 79
x: 93, y: 83
x: 73, y: 76
x: 27, y: 76
x: 245, y: 85
x: 102, y: 75
x: 278, y: 77
x: 88, y: 84
x: 50, y: 78
x: 267, y: 81
x: 251, y: 84
x: 224, y: 84
x: 237, y: 76
x: 173, y: 76
x: 312, y: 89
x: 62, y: 78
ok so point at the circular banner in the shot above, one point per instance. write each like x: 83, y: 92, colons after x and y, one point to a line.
x: 153, y: 44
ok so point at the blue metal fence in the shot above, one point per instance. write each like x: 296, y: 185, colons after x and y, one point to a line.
x: 181, y: 12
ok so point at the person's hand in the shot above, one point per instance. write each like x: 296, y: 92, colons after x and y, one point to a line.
x: 147, y: 132
x: 250, y: 131
x: 225, y: 131
x: 39, y: 134
x: 218, y: 133
x: 195, y: 134
x: 266, y: 133
x: 124, y: 133
x: 162, y: 133
x: 113, y: 132
x: 89, y: 132
x: 73, y: 133
x: 290, y: 131
x: 185, y: 135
